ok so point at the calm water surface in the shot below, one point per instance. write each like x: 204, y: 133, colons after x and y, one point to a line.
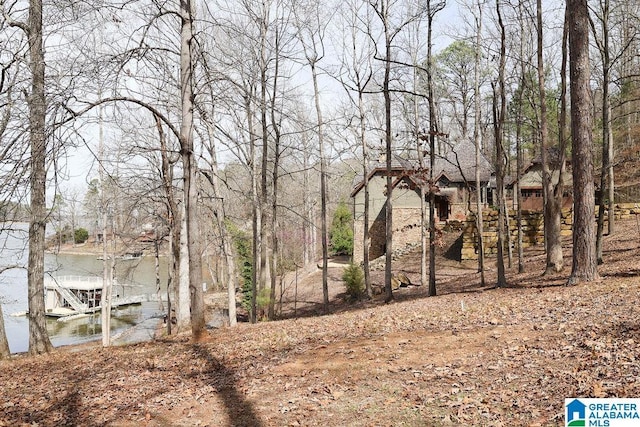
x: 137, y: 275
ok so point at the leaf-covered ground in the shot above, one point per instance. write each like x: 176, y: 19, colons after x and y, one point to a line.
x: 473, y: 356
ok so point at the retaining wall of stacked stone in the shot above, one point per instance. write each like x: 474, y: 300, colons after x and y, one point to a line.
x: 532, y: 228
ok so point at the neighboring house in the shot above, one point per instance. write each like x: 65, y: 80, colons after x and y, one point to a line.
x: 452, y: 199
x: 531, y: 182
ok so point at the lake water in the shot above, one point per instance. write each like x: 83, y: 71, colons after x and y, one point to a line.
x: 137, y: 275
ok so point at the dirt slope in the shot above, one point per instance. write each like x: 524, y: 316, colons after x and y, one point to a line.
x: 474, y: 357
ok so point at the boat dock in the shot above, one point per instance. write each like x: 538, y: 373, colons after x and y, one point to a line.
x: 75, y: 296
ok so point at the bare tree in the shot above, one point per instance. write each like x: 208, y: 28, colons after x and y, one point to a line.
x: 36, y: 100
x: 356, y: 77
x: 585, y: 261
x: 107, y: 261
x: 610, y: 55
x: 174, y: 218
x: 311, y: 33
x: 190, y: 168
x: 477, y: 137
x: 382, y: 11
x: 431, y: 10
x: 499, y: 115
x: 519, y: 125
x: 552, y: 192
x: 393, y: 21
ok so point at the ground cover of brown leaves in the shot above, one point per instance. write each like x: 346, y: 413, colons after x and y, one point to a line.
x: 473, y: 356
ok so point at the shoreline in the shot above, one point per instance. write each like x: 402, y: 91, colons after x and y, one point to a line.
x: 92, y: 249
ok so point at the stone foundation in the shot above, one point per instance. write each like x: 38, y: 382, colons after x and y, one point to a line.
x: 532, y: 228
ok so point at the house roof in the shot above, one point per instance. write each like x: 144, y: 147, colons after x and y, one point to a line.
x: 399, y: 164
x: 458, y: 165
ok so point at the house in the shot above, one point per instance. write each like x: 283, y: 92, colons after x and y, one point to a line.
x: 531, y: 182
x: 454, y: 174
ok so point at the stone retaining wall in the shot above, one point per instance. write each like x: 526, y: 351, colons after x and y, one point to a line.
x: 532, y: 228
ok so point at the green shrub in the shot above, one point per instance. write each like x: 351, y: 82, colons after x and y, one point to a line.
x: 244, y: 249
x: 353, y: 278
x: 341, y: 232
x: 80, y: 235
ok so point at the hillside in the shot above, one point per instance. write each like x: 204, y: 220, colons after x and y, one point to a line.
x: 472, y: 356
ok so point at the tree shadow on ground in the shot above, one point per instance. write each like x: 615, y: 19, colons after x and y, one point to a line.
x: 454, y: 252
x: 239, y: 409
x: 341, y: 303
x: 455, y: 277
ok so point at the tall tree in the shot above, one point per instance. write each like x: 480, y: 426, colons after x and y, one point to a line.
x: 552, y: 192
x: 105, y: 206
x: 174, y: 218
x: 585, y: 263
x: 606, y: 170
x: 382, y: 10
x: 393, y: 19
x: 190, y: 168
x: 519, y: 116
x: 432, y: 8
x: 356, y: 79
x: 38, y: 337
x: 499, y: 115
x: 311, y: 33
x: 477, y: 136
x: 611, y: 53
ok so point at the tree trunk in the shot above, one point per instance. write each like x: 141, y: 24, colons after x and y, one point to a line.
x: 433, y: 129
x: 225, y: 240
x: 264, y: 271
x: 519, y: 122
x: 183, y: 316
x: 276, y: 126
x: 584, y: 267
x: 366, y: 238
x: 308, y: 227
x: 606, y: 194
x: 389, y: 153
x: 323, y: 224
x: 256, y: 227
x: 38, y: 336
x: 174, y: 224
x: 255, y: 211
x: 323, y: 186
x: 4, y: 343
x: 105, y: 296
x: 552, y: 206
x: 477, y: 138
x: 190, y: 170
x: 499, y: 108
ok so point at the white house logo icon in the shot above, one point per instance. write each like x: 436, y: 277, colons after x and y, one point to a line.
x: 576, y: 414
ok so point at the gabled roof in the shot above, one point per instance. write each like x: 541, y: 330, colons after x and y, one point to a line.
x: 457, y: 165
x: 399, y: 165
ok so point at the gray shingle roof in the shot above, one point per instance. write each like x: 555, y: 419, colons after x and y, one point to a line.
x: 459, y: 163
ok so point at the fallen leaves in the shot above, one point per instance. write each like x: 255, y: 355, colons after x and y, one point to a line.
x: 496, y: 357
